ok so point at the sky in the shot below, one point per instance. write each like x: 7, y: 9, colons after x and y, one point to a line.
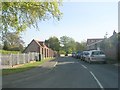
x: 80, y: 21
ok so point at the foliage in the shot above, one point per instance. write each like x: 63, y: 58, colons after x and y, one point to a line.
x: 62, y: 52
x: 9, y: 52
x: 12, y: 41
x: 6, y: 46
x: 1, y: 46
x: 65, y: 44
x: 17, y: 16
x: 53, y: 43
x: 71, y: 45
x: 80, y: 46
x: 68, y: 44
x: 110, y: 42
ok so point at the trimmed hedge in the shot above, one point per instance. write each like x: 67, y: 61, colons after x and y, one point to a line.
x: 9, y: 52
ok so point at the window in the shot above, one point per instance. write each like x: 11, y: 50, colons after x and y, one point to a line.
x: 86, y: 53
x: 97, y: 52
x: 101, y: 52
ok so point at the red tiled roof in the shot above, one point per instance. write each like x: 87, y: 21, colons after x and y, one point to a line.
x: 42, y: 43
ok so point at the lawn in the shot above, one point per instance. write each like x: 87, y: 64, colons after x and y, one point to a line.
x: 24, y: 67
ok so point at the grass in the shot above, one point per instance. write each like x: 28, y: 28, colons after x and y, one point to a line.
x: 24, y: 67
x: 9, y: 52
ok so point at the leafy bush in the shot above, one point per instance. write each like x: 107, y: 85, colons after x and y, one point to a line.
x: 9, y: 52
x: 62, y: 52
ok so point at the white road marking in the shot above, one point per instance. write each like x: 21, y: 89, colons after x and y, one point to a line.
x: 84, y: 66
x: 97, y: 81
x: 55, y: 64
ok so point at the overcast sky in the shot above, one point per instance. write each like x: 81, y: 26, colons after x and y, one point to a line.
x: 81, y: 20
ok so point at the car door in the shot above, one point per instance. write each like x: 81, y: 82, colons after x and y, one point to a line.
x: 87, y: 56
x: 101, y: 56
x: 95, y: 56
x: 98, y: 56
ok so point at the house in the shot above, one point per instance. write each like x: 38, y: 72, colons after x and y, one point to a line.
x: 94, y: 43
x: 39, y: 47
x: 110, y: 45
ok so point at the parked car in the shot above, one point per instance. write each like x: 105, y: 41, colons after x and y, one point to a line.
x: 95, y: 56
x: 73, y: 54
x: 78, y: 55
x: 84, y: 54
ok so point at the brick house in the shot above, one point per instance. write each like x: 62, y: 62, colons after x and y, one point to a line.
x: 39, y: 47
x: 94, y: 43
x: 110, y: 45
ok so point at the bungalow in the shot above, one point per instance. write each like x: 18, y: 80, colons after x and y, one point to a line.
x: 39, y: 47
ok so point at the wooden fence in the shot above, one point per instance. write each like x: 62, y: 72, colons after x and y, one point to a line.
x: 11, y: 60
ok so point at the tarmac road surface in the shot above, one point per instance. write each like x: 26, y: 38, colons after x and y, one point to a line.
x: 65, y: 72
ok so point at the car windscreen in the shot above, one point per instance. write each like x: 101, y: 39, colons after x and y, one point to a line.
x: 86, y: 53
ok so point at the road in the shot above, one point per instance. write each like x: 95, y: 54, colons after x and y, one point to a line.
x: 65, y: 72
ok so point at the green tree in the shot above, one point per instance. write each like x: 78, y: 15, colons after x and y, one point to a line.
x: 83, y: 45
x: 6, y: 46
x: 64, y: 42
x: 53, y: 43
x: 71, y: 45
x: 12, y: 41
x: 17, y: 16
x: 62, y: 51
x: 78, y: 48
x: 68, y: 44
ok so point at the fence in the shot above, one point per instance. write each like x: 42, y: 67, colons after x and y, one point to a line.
x: 16, y: 59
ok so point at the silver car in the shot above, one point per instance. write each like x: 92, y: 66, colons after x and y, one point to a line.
x: 84, y: 54
x: 95, y: 56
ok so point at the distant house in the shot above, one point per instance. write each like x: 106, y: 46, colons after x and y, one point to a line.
x: 94, y: 43
x: 39, y: 47
x: 110, y: 45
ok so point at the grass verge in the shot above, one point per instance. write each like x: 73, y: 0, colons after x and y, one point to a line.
x: 24, y: 67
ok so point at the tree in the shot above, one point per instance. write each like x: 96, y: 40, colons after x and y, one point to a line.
x: 17, y: 16
x: 62, y: 51
x: 53, y: 43
x: 64, y: 42
x: 12, y: 41
x: 78, y: 48
x: 68, y: 44
x: 81, y: 46
x: 6, y: 46
x: 71, y: 45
